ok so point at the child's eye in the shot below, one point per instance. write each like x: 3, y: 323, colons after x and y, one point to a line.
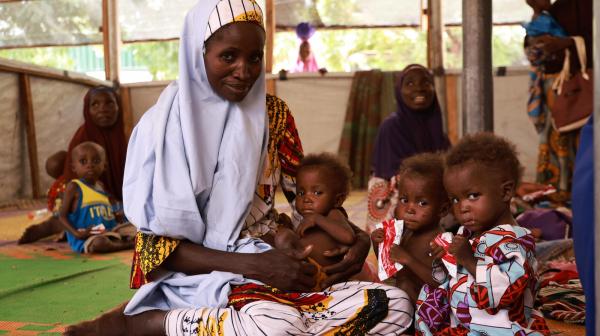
x: 300, y: 193
x: 318, y: 192
x: 423, y: 203
x: 473, y: 196
x: 96, y: 161
x: 454, y: 200
x: 403, y: 200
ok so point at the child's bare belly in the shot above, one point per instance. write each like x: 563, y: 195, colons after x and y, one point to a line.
x: 321, y: 241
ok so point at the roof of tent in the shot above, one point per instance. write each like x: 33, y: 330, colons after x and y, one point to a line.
x: 75, y: 22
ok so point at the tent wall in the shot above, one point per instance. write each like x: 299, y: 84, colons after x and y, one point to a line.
x: 57, y: 103
x: 14, y: 165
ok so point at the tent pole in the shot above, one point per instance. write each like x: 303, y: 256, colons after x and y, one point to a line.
x: 477, y: 81
x: 28, y: 118
x: 270, y: 27
x: 435, y: 30
x: 111, y: 37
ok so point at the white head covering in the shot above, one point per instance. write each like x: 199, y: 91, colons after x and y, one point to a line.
x: 194, y: 159
x: 228, y: 11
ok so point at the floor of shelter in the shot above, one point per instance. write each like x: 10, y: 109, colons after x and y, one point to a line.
x: 45, y: 286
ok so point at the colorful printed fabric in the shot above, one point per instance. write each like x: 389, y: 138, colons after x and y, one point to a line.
x: 497, y: 300
x: 561, y: 296
x: 364, y: 114
x: 283, y: 158
x: 556, y: 153
x: 284, y: 155
x: 338, y: 310
x: 55, y: 194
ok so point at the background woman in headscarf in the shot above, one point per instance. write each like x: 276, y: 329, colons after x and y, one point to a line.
x: 556, y: 153
x: 103, y: 124
x: 193, y: 165
x: 416, y: 127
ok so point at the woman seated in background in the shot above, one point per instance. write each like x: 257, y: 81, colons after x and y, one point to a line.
x: 415, y: 127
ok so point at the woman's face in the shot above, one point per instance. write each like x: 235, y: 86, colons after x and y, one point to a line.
x: 104, y: 109
x: 233, y: 59
x: 417, y: 90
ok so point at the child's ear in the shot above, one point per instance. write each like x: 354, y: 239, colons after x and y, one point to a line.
x: 508, y: 190
x: 339, y: 199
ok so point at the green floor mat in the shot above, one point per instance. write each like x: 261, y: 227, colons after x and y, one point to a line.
x: 44, y: 290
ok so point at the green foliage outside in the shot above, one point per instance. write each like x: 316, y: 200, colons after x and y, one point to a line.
x: 337, y: 50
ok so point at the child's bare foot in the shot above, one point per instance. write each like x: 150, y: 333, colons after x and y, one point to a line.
x: 42, y: 230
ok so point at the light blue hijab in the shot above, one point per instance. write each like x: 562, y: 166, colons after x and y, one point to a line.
x: 192, y: 167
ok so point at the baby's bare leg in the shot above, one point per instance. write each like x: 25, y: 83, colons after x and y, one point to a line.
x: 116, y: 323
x: 104, y: 244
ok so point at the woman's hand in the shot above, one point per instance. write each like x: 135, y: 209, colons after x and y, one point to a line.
x: 354, y: 258
x: 284, y: 269
x: 550, y: 45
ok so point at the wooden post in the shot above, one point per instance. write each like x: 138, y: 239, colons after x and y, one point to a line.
x: 28, y: 118
x: 452, y: 107
x: 477, y: 80
x: 435, y: 52
x: 270, y: 29
x: 111, y: 36
x: 126, y: 109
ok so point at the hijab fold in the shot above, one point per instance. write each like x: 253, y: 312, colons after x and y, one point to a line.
x: 407, y: 132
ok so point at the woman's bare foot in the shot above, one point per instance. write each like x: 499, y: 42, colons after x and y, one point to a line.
x: 42, y: 230
x: 116, y: 323
x: 112, y: 323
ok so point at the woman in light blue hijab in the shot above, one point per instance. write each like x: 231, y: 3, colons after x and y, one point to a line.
x: 193, y: 164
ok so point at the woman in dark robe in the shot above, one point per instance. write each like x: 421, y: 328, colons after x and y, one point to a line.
x: 416, y: 127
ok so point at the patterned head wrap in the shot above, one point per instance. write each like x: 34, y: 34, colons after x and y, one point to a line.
x: 228, y: 11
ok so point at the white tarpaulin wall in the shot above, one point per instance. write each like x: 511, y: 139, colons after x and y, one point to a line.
x: 318, y: 104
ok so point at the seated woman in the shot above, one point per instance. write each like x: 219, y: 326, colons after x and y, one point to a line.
x: 415, y: 128
x: 192, y: 167
x: 103, y: 124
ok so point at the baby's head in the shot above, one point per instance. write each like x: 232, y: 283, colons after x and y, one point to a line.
x: 55, y: 164
x: 89, y: 161
x: 422, y: 199
x: 322, y: 183
x: 481, y: 175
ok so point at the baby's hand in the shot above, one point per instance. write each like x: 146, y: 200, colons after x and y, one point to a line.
x: 461, y: 249
x: 399, y: 254
x: 377, y: 236
x: 308, y: 222
x: 437, y: 252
